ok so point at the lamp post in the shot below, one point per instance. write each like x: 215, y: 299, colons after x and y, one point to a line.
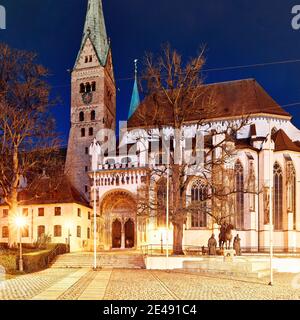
x: 20, y: 223
x: 95, y: 151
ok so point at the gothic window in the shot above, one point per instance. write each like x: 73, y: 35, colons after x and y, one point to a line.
x: 251, y: 187
x: 91, y: 131
x: 82, y: 132
x: 82, y: 88
x: 239, y: 196
x: 5, y: 232
x: 41, y: 231
x: 88, y: 87
x: 93, y: 86
x: 161, y: 202
x: 199, y: 195
x: 93, y: 115
x: 291, y: 190
x: 81, y: 116
x: 278, y: 197
x: 57, y: 231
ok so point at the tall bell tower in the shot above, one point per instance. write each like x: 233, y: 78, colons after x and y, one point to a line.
x: 93, y: 96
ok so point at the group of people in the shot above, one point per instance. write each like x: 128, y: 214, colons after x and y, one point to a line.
x: 212, y: 245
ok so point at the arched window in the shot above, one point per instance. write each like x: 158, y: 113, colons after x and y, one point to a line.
x: 88, y: 87
x: 82, y: 132
x: 93, y: 86
x: 81, y: 116
x: 161, y: 202
x: 239, y: 196
x: 82, y: 88
x: 291, y: 190
x: 199, y: 198
x: 91, y: 131
x: 278, y: 197
x: 93, y: 115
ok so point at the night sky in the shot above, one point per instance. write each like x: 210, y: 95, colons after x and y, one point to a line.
x: 236, y: 32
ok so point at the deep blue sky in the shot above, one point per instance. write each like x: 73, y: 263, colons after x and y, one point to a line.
x: 236, y: 32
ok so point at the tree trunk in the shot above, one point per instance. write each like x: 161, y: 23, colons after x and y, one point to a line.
x: 178, y: 238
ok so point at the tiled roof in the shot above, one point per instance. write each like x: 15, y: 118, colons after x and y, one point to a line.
x: 50, y: 191
x: 283, y: 142
x: 230, y: 99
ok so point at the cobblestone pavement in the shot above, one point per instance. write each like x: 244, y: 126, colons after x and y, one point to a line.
x: 27, y: 286
x: 150, y: 285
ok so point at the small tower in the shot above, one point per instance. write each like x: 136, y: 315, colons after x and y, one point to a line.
x: 93, y: 96
x: 135, y: 98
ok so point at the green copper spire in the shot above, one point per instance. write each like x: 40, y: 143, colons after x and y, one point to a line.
x: 135, y: 99
x: 95, y: 29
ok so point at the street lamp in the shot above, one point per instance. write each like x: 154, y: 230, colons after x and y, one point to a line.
x: 69, y: 225
x: 20, y: 223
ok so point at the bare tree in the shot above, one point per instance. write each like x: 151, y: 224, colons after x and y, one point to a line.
x: 176, y: 95
x: 28, y: 141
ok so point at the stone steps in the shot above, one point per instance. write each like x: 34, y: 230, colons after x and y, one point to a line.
x: 84, y: 260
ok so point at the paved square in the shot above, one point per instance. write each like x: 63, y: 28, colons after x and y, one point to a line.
x: 119, y: 284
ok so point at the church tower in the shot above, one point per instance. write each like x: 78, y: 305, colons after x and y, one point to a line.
x: 93, y: 96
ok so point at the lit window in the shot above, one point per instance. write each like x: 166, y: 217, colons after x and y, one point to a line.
x: 57, y: 231
x: 41, y: 231
x: 5, y: 213
x: 25, y: 232
x: 78, y: 232
x: 41, y: 212
x: 199, y: 200
x: 5, y: 232
x: 57, y: 211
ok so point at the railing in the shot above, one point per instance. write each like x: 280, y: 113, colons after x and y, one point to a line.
x: 161, y: 250
x: 191, y: 250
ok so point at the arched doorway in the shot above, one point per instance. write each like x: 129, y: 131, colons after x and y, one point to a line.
x: 129, y: 234
x: 118, y: 225
x: 116, y: 234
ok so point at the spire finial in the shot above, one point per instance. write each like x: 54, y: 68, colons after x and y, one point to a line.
x: 135, y: 98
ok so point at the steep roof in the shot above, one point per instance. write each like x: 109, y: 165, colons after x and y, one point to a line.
x: 95, y: 29
x: 283, y: 142
x: 51, y: 191
x: 230, y: 99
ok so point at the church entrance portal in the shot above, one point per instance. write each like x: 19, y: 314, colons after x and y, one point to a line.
x: 119, y: 222
x: 129, y: 234
x: 116, y: 234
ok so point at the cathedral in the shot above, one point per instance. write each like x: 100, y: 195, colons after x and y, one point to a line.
x: 116, y: 179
